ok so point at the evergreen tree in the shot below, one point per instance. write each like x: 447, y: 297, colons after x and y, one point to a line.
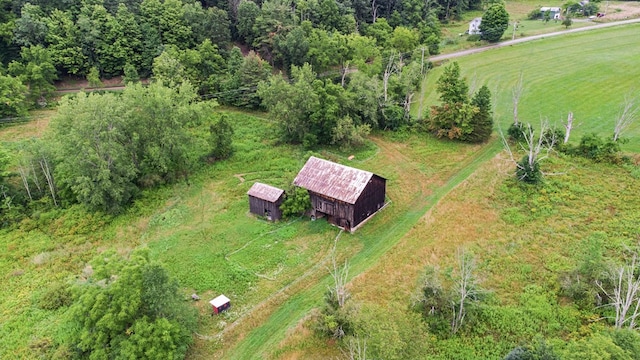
x: 482, y: 122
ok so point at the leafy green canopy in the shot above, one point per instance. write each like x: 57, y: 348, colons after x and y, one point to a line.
x: 110, y: 146
x: 494, y: 23
x: 130, y: 309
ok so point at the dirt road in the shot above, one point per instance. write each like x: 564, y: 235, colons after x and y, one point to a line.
x: 439, y: 58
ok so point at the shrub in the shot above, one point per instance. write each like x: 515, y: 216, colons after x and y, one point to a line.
x: 56, y: 296
x: 579, y: 284
x: 516, y: 131
x: 541, y: 351
x: 296, y: 202
x: 473, y: 38
x: 527, y: 172
x: 553, y: 136
x: 535, y: 14
x: 221, y: 139
x: 601, y: 150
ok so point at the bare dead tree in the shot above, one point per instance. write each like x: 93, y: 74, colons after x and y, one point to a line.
x: 568, y: 127
x: 516, y: 94
x: 628, y: 115
x: 536, y: 150
x: 466, y: 288
x: 44, y: 165
x: 625, y: 297
x: 24, y: 176
x: 35, y: 175
x: 340, y: 275
x: 374, y: 11
x: 344, y: 70
x: 390, y: 69
x: 356, y: 349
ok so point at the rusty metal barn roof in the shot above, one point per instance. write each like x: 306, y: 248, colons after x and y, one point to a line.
x: 336, y: 181
x: 265, y: 192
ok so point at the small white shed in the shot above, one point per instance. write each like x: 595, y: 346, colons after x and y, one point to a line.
x: 220, y: 304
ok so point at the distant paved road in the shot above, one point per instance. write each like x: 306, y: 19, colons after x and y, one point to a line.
x: 439, y: 58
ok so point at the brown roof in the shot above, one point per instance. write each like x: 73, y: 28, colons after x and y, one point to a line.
x: 265, y: 192
x: 336, y: 181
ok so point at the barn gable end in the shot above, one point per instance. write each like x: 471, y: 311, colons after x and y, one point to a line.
x: 265, y: 200
x: 345, y: 195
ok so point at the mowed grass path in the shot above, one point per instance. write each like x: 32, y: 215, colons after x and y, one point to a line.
x: 588, y: 73
x: 413, y: 189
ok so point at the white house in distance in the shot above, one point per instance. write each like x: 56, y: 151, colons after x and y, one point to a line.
x: 554, y: 12
x: 474, y: 26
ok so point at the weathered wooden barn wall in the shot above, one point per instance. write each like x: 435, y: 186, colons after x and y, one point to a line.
x: 371, y: 199
x: 265, y: 200
x: 345, y: 195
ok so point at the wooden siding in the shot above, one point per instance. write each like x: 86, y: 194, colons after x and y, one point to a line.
x: 265, y: 208
x: 371, y: 199
x: 348, y: 215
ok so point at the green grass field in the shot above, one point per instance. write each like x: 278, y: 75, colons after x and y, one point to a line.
x: 588, y: 74
x: 443, y: 196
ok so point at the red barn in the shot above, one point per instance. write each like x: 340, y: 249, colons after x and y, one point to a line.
x: 345, y: 195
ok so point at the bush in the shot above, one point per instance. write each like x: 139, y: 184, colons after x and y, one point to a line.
x: 221, y: 139
x: 601, y: 150
x: 296, y: 203
x: 56, y: 296
x: 516, y: 131
x: 473, y: 38
x: 535, y: 14
x: 579, y: 284
x: 529, y: 173
x: 553, y: 136
x: 541, y: 351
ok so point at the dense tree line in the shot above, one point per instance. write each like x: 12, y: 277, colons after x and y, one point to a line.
x: 41, y: 41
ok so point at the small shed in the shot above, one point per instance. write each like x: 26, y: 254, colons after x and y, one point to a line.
x: 220, y: 304
x: 345, y: 195
x: 474, y: 26
x: 265, y: 200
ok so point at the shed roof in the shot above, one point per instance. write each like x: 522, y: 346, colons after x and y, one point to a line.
x: 336, y: 181
x: 265, y: 192
x: 219, y: 301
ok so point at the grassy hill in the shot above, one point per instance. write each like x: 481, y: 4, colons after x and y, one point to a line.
x: 587, y: 73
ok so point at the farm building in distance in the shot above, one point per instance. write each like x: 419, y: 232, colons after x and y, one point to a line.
x: 554, y: 12
x: 265, y: 200
x: 345, y: 195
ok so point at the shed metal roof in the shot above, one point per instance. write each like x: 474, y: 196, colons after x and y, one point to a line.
x: 219, y: 301
x: 265, y: 192
x: 333, y: 180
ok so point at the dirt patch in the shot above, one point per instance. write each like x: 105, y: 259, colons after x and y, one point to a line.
x: 620, y: 11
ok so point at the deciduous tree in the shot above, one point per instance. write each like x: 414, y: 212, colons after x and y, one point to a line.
x: 36, y: 71
x: 130, y: 309
x: 495, y: 22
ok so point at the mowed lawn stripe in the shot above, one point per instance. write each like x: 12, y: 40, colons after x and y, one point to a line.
x: 587, y: 73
